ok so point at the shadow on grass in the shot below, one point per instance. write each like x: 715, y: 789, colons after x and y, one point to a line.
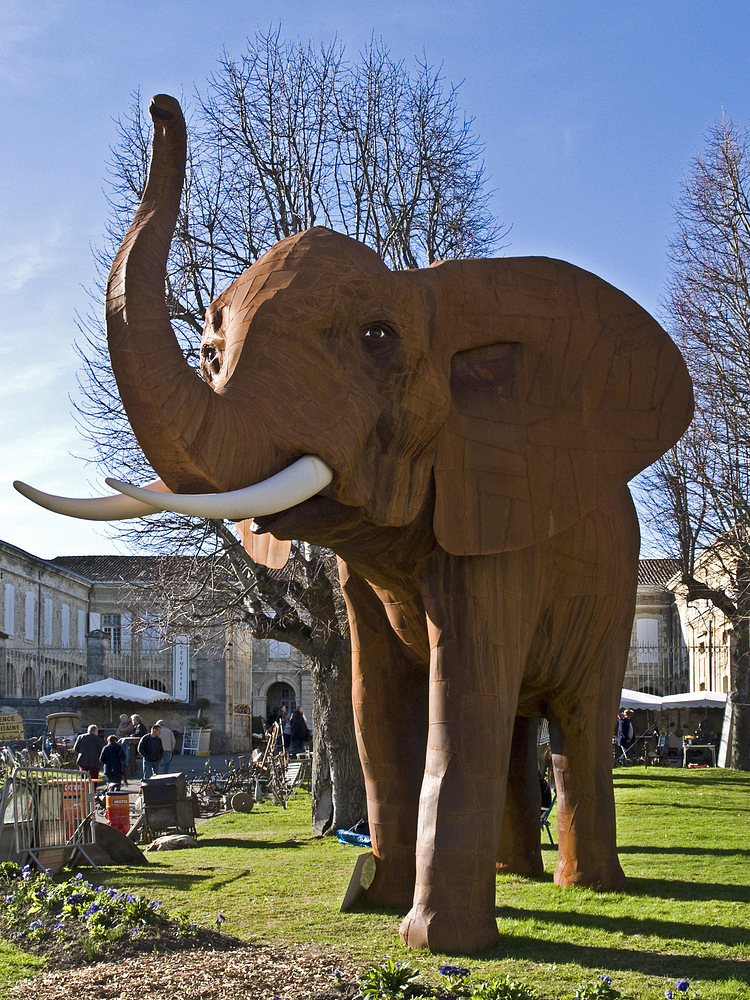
x: 605, y: 958
x: 696, y: 807
x: 244, y: 843
x: 672, y: 776
x: 654, y: 852
x: 687, y: 891
x: 648, y: 926
x: 610, y: 960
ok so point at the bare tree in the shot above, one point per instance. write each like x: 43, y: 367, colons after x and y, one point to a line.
x: 701, y: 495
x: 286, y: 137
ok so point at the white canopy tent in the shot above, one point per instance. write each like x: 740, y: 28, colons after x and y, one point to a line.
x: 695, y: 699
x: 639, y: 699
x: 109, y: 687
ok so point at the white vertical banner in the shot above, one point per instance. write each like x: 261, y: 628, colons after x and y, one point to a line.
x: 181, y: 668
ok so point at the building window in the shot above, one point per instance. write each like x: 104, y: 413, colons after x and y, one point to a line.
x: 28, y: 684
x: 29, y: 608
x: 10, y: 609
x: 647, y: 639
x: 157, y: 685
x: 112, y: 628
x: 65, y: 626
x: 278, y: 650
x: 10, y: 681
x: 150, y: 637
x: 48, y: 619
x: 48, y: 682
x: 81, y: 618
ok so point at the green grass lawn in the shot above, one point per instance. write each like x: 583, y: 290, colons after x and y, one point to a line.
x: 684, y: 844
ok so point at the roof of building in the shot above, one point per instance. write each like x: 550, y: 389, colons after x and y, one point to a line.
x: 132, y: 569
x: 120, y: 569
x: 656, y: 572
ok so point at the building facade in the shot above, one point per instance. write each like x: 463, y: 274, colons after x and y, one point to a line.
x: 72, y: 620
x: 659, y: 660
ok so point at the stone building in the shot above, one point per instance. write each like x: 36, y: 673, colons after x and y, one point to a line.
x: 75, y: 619
x: 659, y: 654
x: 676, y: 646
x: 280, y: 677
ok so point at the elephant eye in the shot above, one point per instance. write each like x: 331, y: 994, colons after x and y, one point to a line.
x: 376, y: 331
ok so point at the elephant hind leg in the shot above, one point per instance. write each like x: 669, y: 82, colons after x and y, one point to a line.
x: 586, y: 811
x: 520, y: 850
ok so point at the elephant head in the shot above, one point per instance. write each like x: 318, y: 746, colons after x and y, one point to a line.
x: 527, y: 390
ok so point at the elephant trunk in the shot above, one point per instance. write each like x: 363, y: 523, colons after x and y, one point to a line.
x: 175, y: 415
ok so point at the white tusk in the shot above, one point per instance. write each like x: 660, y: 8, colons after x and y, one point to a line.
x: 115, y: 507
x: 299, y: 481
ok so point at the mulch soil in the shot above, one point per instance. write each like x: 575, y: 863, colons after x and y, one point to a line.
x: 204, y: 965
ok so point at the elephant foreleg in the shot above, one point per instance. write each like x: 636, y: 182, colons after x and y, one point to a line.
x: 520, y: 850
x: 478, y: 646
x: 390, y: 715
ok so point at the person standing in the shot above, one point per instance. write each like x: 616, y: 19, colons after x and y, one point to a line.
x: 300, y: 734
x: 168, y: 742
x: 88, y: 746
x: 113, y: 759
x: 625, y: 733
x: 286, y: 727
x: 151, y: 749
x: 124, y: 732
x: 139, y: 727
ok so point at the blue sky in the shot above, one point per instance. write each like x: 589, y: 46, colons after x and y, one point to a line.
x: 590, y: 113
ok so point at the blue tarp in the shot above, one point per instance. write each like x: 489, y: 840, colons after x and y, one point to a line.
x: 350, y: 837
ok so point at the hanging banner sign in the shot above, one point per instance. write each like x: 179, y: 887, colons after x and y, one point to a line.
x: 181, y: 669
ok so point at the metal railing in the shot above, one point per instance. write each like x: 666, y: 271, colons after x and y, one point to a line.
x: 673, y: 668
x: 52, y: 811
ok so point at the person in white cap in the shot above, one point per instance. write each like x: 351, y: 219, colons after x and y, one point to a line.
x: 168, y: 741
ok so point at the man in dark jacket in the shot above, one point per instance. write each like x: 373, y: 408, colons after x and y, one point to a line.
x: 88, y: 746
x: 625, y: 734
x: 151, y: 749
x: 113, y: 759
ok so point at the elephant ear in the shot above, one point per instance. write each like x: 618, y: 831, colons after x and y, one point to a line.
x: 563, y: 389
x: 264, y: 549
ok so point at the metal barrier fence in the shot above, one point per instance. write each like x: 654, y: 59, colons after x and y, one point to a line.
x: 52, y: 812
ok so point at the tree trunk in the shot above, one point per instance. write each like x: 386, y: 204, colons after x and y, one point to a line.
x: 338, y: 790
x: 740, y: 693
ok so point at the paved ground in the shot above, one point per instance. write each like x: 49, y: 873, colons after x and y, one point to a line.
x: 190, y: 765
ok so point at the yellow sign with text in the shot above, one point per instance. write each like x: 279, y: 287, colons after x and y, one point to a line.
x: 11, y: 727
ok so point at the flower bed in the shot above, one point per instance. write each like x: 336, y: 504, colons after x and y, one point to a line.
x: 73, y: 922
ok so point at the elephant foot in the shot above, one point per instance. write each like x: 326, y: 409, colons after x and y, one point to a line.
x: 385, y: 892
x: 454, y: 933
x: 393, y: 885
x: 530, y: 866
x: 607, y: 876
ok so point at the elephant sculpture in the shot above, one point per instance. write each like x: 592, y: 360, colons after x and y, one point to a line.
x: 462, y: 437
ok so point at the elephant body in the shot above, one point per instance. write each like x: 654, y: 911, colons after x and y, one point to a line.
x: 476, y: 423
x: 453, y: 657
